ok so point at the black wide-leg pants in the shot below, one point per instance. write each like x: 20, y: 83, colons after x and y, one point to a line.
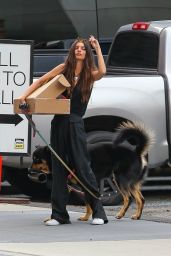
x: 68, y: 139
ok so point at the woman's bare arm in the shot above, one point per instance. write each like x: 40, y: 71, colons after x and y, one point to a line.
x: 101, y: 69
x: 39, y: 82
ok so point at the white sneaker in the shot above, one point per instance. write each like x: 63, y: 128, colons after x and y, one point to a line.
x: 51, y: 222
x: 97, y: 221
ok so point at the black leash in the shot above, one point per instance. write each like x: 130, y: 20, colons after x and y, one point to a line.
x: 24, y: 107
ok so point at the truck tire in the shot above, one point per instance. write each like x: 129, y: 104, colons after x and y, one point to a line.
x: 109, y: 192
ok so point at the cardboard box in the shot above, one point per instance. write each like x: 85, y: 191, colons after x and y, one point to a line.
x: 43, y: 100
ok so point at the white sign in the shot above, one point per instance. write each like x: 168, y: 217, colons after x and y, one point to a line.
x: 15, y: 77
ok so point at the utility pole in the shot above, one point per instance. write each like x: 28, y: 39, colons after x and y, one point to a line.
x: 97, y: 19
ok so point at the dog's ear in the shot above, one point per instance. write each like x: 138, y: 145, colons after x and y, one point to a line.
x: 47, y: 152
x: 48, y: 156
x: 39, y: 152
x: 46, y: 148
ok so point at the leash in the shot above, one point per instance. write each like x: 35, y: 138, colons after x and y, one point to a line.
x: 71, y: 188
x: 24, y: 107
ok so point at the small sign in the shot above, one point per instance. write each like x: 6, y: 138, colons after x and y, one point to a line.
x: 19, y: 143
x: 16, y: 74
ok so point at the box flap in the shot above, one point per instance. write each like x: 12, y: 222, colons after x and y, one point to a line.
x: 51, y: 89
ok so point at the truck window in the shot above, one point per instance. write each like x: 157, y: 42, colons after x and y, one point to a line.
x: 134, y: 50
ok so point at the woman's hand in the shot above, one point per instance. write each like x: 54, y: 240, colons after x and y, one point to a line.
x: 94, y: 42
x: 22, y: 100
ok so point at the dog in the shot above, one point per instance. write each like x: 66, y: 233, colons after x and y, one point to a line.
x: 40, y: 170
x: 125, y: 159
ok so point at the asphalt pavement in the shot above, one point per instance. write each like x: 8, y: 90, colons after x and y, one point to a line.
x: 22, y: 232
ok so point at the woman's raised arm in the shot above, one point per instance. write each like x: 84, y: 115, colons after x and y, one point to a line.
x: 101, y: 69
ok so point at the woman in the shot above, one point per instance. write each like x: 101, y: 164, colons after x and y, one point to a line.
x: 68, y: 137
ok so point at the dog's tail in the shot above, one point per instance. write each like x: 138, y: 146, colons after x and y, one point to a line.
x: 137, y: 135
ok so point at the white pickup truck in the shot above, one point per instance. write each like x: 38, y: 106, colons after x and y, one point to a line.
x: 136, y: 88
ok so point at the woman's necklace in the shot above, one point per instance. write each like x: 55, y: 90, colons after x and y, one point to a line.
x: 76, y: 78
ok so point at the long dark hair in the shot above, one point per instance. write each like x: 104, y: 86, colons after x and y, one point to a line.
x: 85, y: 78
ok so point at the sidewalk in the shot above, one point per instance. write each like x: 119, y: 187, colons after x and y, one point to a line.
x: 98, y: 248
x: 22, y: 232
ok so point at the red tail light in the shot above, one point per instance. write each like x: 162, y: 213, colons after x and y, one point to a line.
x: 140, y: 26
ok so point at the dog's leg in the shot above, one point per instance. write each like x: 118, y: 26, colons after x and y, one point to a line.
x: 87, y: 214
x: 139, y: 199
x: 125, y: 206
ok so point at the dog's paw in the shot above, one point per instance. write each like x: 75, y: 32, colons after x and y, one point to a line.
x: 135, y: 217
x: 119, y: 216
x: 83, y: 218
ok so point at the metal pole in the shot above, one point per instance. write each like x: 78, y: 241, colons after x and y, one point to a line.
x: 97, y: 20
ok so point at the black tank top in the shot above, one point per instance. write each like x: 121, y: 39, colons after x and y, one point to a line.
x: 77, y: 106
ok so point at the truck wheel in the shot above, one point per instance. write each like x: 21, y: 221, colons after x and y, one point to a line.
x: 19, y: 179
x: 108, y: 190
